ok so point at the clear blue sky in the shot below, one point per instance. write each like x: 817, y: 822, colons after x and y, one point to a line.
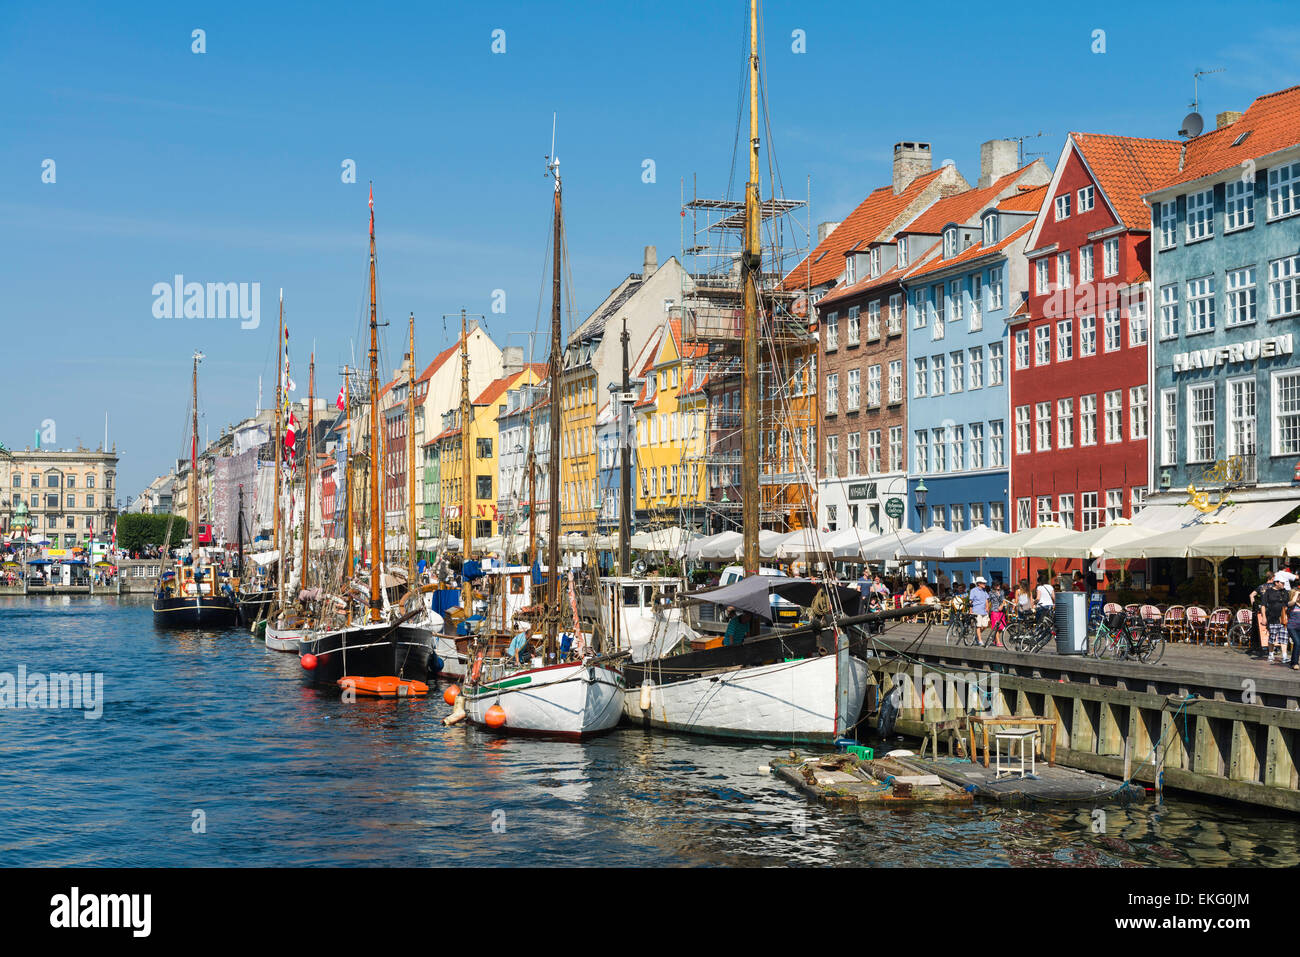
x: 225, y: 166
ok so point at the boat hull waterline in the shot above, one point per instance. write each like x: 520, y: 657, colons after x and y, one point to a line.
x: 195, y: 612
x: 370, y: 651
x: 569, y: 700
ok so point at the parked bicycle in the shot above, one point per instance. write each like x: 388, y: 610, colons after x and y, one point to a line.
x: 1027, y: 634
x: 1127, y: 637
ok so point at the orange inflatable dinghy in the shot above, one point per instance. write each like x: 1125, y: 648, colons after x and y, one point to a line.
x: 387, y: 686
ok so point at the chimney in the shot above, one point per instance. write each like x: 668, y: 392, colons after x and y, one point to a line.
x: 512, y: 360
x: 910, y: 161
x: 1226, y: 118
x: 824, y: 230
x: 651, y: 263
x: 997, y: 159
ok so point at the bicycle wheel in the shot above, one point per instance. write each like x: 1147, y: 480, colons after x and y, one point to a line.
x: 1239, y: 637
x: 952, y: 636
x: 1103, y: 642
x: 1152, y: 648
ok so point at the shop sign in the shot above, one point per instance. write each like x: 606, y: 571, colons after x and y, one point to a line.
x: 1238, y: 352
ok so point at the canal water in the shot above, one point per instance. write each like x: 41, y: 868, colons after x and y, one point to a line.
x: 209, y: 751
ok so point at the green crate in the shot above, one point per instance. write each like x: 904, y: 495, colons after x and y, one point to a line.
x: 862, y: 753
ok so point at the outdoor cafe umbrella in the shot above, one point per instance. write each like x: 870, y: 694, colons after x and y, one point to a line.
x: 887, y: 547
x: 1276, y: 542
x: 801, y: 545
x: 1021, y: 544
x: 1208, y: 538
x: 928, y: 545
x: 721, y: 547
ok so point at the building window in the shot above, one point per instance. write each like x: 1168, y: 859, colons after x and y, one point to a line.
x: 1137, y: 412
x: 949, y: 243
x: 1114, y: 416
x: 873, y: 320
x: 1112, y: 333
x: 1090, y: 511
x: 850, y: 268
x: 1200, y: 423
x: 1065, y: 513
x: 1241, y: 416
x: 1238, y: 205
x: 1137, y: 321
x: 920, y: 449
x: 1088, y: 336
x: 921, y: 386
x: 957, y: 443
x: 939, y: 302
x: 976, y: 514
x: 997, y: 516
x: 855, y: 453
x: 957, y: 297
x: 958, y: 519
x: 895, y: 448
x: 1283, y: 288
x: 1064, y: 423
x: 1200, y: 215
x: 1022, y: 348
x: 895, y: 323
x: 853, y: 398
x: 1085, y: 264
x: 1063, y: 207
x: 1043, y: 345
x: 1114, y: 505
x: 937, y: 377
x: 832, y: 517
x: 1169, y: 427
x: 1088, y: 420
x: 1065, y: 340
x: 1024, y: 513
x: 832, y: 331
x: 1200, y: 305
x: 1286, y: 413
x: 976, y: 367
x: 1169, y: 311
x: 832, y: 456
x: 976, y: 297
x: 938, y: 441
x: 1063, y: 280
x: 1110, y: 256
x: 873, y: 386
x: 995, y: 287
x: 1169, y: 224
x: 1044, y: 509
x: 902, y: 251
x: 1240, y: 288
x: 956, y: 375
x: 977, y: 445
x: 896, y: 381
x: 1043, y: 422
x: 1042, y: 276
x: 918, y: 310
x: 1022, y: 430
x: 855, y: 324
x: 1085, y: 199
x: 997, y: 448
x: 1283, y: 190
x: 873, y: 452
x: 996, y: 370
x: 832, y: 393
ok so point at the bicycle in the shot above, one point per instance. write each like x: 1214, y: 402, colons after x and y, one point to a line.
x: 1029, y: 635
x: 1128, y: 637
x: 961, y: 628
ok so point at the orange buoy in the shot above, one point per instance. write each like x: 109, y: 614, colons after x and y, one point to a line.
x: 451, y: 694
x: 308, y: 661
x: 386, y: 686
x: 495, y: 716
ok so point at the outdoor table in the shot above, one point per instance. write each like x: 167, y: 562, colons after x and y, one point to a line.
x: 1009, y: 721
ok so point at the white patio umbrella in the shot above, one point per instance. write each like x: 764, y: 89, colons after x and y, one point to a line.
x: 1094, y: 543
x: 670, y: 539
x: 1276, y: 542
x: 1208, y: 538
x: 887, y: 547
x: 1021, y: 544
x: 927, y: 545
x: 801, y: 545
x: 721, y: 547
x: 768, y: 542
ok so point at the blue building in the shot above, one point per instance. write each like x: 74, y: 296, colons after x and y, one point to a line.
x: 961, y: 294
x: 1226, y: 312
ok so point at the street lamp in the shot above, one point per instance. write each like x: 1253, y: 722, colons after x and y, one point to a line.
x: 920, y: 492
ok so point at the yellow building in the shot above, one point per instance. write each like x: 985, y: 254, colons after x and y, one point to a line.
x: 579, y: 407
x: 670, y: 429
x: 483, y: 437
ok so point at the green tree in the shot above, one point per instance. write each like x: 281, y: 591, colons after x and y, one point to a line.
x: 137, y: 531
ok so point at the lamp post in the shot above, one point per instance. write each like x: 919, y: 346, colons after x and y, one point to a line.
x: 920, y: 492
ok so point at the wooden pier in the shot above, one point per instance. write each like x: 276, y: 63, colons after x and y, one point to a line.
x: 1208, y: 720
x: 845, y: 781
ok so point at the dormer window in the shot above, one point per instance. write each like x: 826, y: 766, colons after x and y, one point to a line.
x: 949, y: 243
x: 875, y: 262
x: 850, y: 269
x: 902, y: 251
x: 990, y: 229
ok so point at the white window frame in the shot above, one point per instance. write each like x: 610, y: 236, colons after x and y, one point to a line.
x: 1169, y: 427
x: 997, y: 368
x: 1238, y: 204
x: 1065, y: 423
x: 1199, y: 223
x: 1169, y: 224
x: 1138, y: 412
x: 1199, y: 446
x: 1061, y: 207
x: 1043, y: 345
x: 1241, y: 297
x: 1087, y: 335
x: 1043, y: 427
x: 1024, y: 430
x: 1064, y: 340
x: 832, y: 393
x: 1088, y: 420
x: 1085, y: 263
x: 1200, y: 305
x: 1284, y: 191
x: 855, y: 326
x: 975, y: 378
x: 1276, y: 387
x: 1110, y: 257
x: 1113, y: 401
x: 1284, y: 287
x: 1169, y: 311
x: 1023, y: 349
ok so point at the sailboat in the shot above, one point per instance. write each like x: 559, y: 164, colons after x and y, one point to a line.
x: 190, y: 597
x: 289, y: 629
x: 387, y: 644
x: 545, y: 694
x: 790, y: 687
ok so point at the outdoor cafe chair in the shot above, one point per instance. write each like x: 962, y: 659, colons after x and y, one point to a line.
x: 1151, y: 613
x: 1131, y: 609
x: 1175, y: 623
x: 1114, y: 608
x: 1196, y: 620
x: 1216, y: 627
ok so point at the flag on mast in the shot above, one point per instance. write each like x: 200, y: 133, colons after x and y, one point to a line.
x: 340, y: 401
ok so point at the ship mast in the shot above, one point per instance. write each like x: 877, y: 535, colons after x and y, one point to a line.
x: 275, y: 511
x: 553, y: 459
x: 347, y: 480
x: 751, y: 264
x: 412, y: 585
x: 376, y: 517
x: 306, y: 475
x: 194, y: 469
x: 466, y: 417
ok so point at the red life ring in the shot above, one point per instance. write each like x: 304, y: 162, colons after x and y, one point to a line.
x: 478, y: 666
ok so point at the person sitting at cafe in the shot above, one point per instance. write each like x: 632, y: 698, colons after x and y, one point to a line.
x: 924, y: 595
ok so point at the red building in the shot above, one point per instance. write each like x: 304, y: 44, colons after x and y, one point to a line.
x: 1080, y: 403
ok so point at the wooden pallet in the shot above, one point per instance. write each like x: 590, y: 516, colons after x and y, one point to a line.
x: 845, y: 780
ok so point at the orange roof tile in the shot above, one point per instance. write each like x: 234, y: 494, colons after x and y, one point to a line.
x: 1126, y: 167
x: 961, y: 207
x: 859, y: 228
x: 1273, y: 123
x: 1029, y: 199
x: 498, y: 387
x: 971, y: 253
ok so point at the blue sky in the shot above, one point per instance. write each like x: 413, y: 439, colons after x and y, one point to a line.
x: 225, y: 166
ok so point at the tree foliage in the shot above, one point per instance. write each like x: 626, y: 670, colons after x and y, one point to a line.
x: 136, y: 531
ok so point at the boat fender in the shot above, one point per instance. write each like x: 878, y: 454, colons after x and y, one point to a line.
x: 495, y: 716
x: 308, y: 661
x: 454, y: 718
x: 434, y: 663
x: 452, y: 694
x: 888, y: 713
x: 645, y: 694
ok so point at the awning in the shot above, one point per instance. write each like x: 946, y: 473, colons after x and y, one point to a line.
x: 1263, y: 543
x: 1241, y: 515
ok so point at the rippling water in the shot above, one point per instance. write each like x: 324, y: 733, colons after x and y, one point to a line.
x: 285, y: 775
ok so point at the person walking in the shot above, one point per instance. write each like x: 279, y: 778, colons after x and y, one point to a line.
x: 979, y: 607
x: 1293, y: 627
x: 1275, y: 600
x: 1044, y: 599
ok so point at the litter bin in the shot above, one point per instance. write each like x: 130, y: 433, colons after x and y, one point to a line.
x: 1071, y: 613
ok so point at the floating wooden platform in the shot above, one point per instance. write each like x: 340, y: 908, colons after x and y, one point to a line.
x: 1049, y: 784
x: 846, y: 781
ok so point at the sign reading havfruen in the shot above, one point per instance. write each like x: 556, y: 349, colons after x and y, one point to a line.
x: 1249, y: 351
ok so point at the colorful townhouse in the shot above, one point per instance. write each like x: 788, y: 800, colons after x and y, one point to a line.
x: 523, y: 427
x: 1225, y: 223
x: 1079, y: 392
x: 851, y: 279
x: 961, y: 292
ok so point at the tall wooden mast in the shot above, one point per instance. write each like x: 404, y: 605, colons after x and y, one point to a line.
x: 279, y: 412
x: 306, y: 472
x: 372, y: 435
x: 553, y: 457
x: 466, y: 420
x: 412, y: 584
x: 194, y: 468
x: 751, y: 265
x: 347, y: 476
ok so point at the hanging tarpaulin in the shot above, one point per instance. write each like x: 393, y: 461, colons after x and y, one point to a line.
x: 579, y: 644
